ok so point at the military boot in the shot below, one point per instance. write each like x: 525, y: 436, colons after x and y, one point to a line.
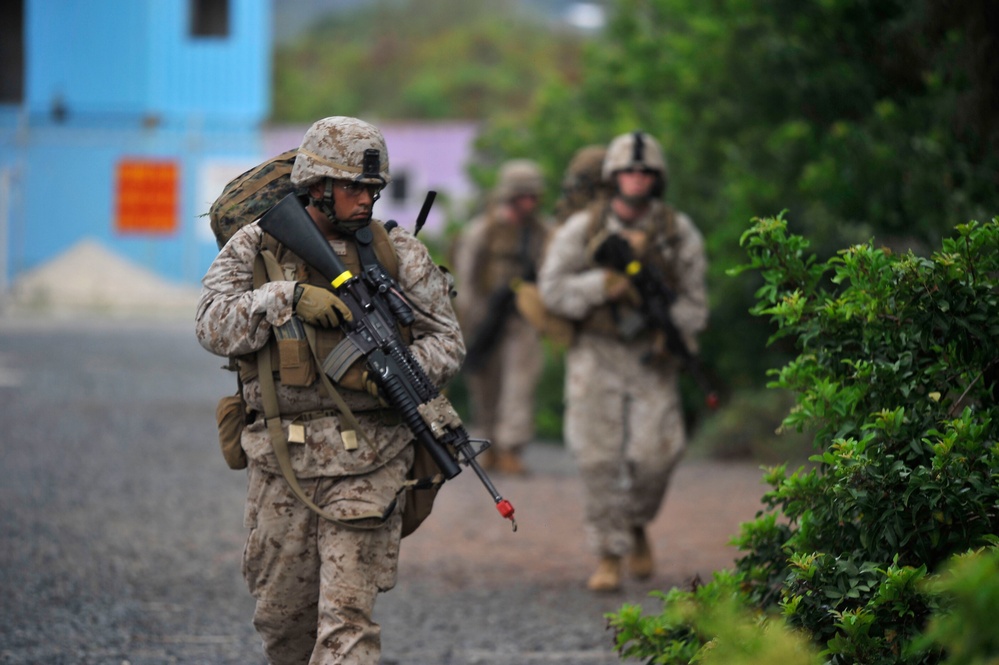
x: 508, y: 462
x: 607, y: 576
x: 640, y: 562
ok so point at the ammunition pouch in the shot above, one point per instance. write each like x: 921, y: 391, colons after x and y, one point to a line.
x: 231, y: 415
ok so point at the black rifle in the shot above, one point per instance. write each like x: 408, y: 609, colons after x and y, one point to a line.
x: 615, y: 252
x: 487, y: 334
x: 501, y: 304
x: 377, y: 303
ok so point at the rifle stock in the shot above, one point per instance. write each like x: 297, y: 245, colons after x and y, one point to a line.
x: 401, y: 380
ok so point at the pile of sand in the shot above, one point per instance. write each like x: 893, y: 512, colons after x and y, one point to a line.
x: 89, y: 278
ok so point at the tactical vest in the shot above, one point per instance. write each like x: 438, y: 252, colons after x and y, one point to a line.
x: 610, y: 319
x: 294, y: 363
x: 506, y: 256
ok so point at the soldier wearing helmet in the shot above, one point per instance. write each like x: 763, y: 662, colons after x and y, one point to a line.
x: 623, y: 419
x: 582, y: 183
x: 495, y: 255
x: 315, y: 577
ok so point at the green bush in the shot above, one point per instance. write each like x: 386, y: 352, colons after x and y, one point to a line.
x: 965, y: 628
x: 896, y: 377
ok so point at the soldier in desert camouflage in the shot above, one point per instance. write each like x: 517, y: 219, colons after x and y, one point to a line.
x: 315, y: 580
x: 496, y: 252
x: 582, y: 183
x: 623, y: 419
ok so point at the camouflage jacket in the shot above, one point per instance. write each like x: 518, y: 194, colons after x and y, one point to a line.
x: 572, y: 285
x: 235, y: 319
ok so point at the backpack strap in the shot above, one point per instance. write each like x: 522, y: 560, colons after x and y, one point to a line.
x: 272, y: 417
x: 267, y: 263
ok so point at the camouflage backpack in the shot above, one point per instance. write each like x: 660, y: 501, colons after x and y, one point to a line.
x: 251, y: 194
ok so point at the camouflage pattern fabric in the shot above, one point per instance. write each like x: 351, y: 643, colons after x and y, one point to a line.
x: 623, y: 419
x: 502, y: 393
x: 316, y: 592
x: 250, y: 195
x: 233, y: 319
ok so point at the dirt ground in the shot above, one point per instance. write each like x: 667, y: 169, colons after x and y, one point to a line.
x: 706, y: 502
x: 121, y: 532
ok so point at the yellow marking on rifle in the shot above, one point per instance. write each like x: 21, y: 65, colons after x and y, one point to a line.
x: 633, y: 268
x: 343, y: 277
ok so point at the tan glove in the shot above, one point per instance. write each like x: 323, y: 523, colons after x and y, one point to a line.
x: 619, y: 288
x: 359, y: 379
x: 639, y: 240
x: 372, y: 388
x: 320, y: 307
x: 370, y: 385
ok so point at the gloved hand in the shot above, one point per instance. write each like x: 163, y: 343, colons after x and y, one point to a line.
x: 372, y: 387
x: 320, y: 307
x: 369, y: 384
x: 619, y: 288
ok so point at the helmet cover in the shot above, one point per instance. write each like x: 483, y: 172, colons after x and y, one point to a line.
x: 518, y: 177
x: 342, y: 148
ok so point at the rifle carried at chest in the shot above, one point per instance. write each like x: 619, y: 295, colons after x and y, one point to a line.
x: 501, y: 305
x: 377, y: 305
x: 615, y: 252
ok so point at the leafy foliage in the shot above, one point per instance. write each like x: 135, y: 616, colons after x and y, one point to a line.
x: 426, y: 60
x: 897, y: 376
x: 969, y: 590
x: 861, y: 117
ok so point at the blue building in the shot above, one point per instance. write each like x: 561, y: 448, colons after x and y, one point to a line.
x: 119, y: 122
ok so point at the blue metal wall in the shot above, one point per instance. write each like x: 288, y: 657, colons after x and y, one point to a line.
x: 113, y: 79
x: 133, y: 57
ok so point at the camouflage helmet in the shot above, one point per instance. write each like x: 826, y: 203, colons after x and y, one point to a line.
x: 584, y: 168
x: 518, y: 177
x: 635, y: 150
x: 342, y: 148
x: 581, y: 182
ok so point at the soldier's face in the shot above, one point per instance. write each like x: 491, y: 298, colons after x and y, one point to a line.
x: 353, y: 201
x: 635, y: 182
x: 525, y: 204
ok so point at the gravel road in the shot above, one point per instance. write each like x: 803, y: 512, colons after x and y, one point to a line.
x: 121, y: 527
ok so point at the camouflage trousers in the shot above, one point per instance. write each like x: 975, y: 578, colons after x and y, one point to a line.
x: 315, y: 582
x: 502, y: 392
x: 624, y: 426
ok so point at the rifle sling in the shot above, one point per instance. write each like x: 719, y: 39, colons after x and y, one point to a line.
x: 272, y: 416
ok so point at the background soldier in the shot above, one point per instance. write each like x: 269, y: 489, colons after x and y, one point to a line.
x: 582, y: 182
x: 623, y: 419
x: 497, y: 250
x: 314, y: 579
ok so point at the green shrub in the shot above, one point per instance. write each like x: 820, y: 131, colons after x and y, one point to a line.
x: 896, y: 376
x: 966, y: 627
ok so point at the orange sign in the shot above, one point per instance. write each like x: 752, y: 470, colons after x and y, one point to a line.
x: 147, y: 196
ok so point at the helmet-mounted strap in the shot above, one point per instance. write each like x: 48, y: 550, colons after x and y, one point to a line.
x: 372, y: 164
x: 360, y: 171
x: 638, y: 149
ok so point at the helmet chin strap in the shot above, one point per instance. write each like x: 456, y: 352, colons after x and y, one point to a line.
x: 327, y: 206
x: 637, y: 200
